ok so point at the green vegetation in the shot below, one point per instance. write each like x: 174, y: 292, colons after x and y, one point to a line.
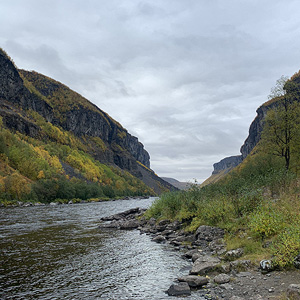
x: 58, y: 166
x: 257, y: 203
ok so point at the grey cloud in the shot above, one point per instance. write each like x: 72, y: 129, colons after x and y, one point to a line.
x: 184, y: 76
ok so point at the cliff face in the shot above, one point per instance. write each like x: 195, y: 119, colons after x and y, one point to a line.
x: 12, y: 90
x: 78, y: 115
x: 227, y: 164
x: 23, y: 91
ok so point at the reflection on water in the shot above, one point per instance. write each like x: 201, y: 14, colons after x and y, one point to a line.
x: 58, y: 252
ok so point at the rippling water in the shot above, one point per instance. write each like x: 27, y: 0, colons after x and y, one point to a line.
x: 58, y: 252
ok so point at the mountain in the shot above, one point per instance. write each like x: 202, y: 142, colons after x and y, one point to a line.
x: 225, y: 165
x: 50, y: 122
x: 178, y: 184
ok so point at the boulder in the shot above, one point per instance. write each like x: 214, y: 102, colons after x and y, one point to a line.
x: 233, y: 254
x: 159, y: 239
x: 130, y: 224
x: 179, y: 289
x: 190, y: 253
x: 209, y: 233
x: 196, y: 255
x: 204, y: 265
x: 222, y: 278
x: 293, y: 292
x: 130, y: 213
x: 217, y: 246
x: 194, y: 281
x: 240, y: 265
x: 266, y: 266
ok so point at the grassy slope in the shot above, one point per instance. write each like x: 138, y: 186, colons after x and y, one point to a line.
x: 31, y: 167
x: 257, y: 204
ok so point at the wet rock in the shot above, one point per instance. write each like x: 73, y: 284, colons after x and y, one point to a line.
x: 131, y: 213
x: 297, y: 261
x: 293, y: 292
x: 196, y: 255
x: 179, y: 289
x: 111, y: 225
x: 130, y: 224
x: 190, y: 253
x: 266, y: 266
x: 236, y: 298
x: 194, y: 281
x: 222, y: 278
x: 159, y: 239
x: 204, y: 265
x: 234, y: 254
x: 53, y: 203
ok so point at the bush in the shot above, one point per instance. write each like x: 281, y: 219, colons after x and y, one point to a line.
x: 287, y: 246
x: 266, y: 221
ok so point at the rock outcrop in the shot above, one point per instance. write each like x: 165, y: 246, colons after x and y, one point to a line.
x: 227, y: 163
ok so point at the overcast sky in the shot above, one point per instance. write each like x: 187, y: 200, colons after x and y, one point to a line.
x: 184, y: 76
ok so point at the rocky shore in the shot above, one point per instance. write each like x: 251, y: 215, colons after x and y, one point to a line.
x: 215, y: 272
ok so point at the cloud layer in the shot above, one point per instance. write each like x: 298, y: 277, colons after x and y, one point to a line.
x: 185, y: 77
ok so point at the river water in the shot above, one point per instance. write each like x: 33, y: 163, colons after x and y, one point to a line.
x: 58, y: 252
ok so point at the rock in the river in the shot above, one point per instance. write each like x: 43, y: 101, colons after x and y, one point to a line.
x: 204, y: 265
x: 130, y: 224
x: 222, y: 278
x: 131, y: 213
x: 194, y: 281
x: 293, y: 292
x: 179, y: 289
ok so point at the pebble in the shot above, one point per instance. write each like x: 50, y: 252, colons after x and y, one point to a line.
x: 271, y: 290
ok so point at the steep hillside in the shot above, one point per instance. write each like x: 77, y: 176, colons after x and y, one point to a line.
x: 42, y: 119
x: 225, y: 165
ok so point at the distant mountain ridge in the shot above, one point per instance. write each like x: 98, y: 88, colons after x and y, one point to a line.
x: 178, y: 184
x: 45, y: 110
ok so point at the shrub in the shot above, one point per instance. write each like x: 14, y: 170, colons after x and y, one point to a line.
x: 266, y: 221
x: 287, y: 246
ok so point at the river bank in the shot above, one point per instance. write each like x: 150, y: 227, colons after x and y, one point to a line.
x: 16, y: 203
x: 215, y: 272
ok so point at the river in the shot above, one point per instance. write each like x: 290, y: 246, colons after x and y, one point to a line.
x: 58, y: 252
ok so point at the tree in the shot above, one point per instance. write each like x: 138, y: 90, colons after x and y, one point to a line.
x: 280, y: 136
x: 278, y: 90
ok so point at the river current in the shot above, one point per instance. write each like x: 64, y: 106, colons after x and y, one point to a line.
x: 58, y: 252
